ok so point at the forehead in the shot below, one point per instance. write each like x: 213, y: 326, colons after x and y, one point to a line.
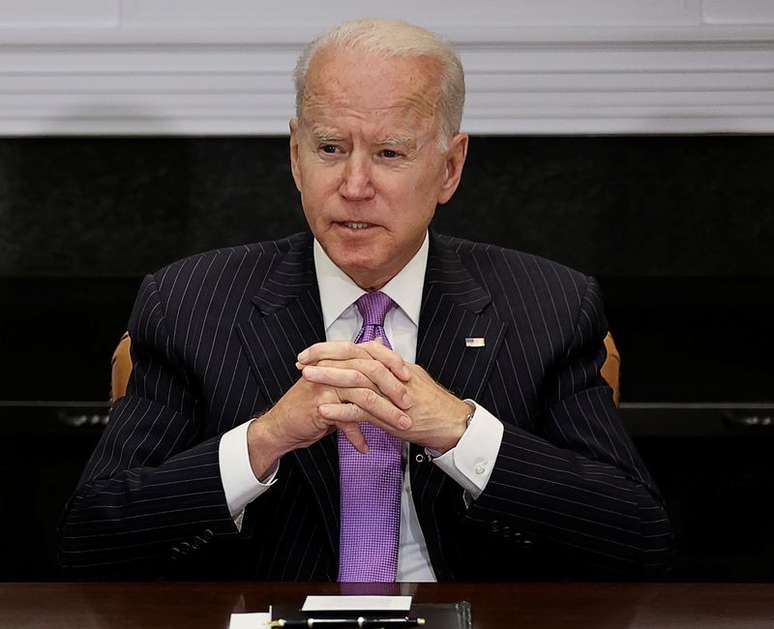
x: 349, y: 86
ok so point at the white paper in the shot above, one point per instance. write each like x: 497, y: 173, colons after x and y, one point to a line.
x: 256, y: 620
x: 357, y: 604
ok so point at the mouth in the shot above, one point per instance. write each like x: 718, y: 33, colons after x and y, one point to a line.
x: 355, y: 226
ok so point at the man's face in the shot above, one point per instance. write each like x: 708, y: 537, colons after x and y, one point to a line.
x: 366, y: 160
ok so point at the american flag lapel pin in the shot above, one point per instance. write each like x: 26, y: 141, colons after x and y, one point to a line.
x: 474, y: 341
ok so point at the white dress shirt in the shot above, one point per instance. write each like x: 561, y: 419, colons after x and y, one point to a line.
x: 469, y: 463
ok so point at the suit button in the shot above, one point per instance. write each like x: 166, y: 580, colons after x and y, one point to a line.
x: 419, y: 458
x: 185, y: 548
x: 208, y: 535
x: 494, y: 526
x: 196, y: 543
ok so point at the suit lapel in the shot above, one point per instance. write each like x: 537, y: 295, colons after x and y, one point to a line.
x: 287, y: 319
x: 454, y: 308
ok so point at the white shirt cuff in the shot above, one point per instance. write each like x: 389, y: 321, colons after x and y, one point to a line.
x: 239, y: 483
x: 471, y: 461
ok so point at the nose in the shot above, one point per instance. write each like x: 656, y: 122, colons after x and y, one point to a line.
x: 356, y: 182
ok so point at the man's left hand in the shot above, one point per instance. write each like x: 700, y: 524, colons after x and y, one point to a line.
x: 438, y: 417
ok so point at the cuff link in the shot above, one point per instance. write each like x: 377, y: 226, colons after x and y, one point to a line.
x: 480, y: 468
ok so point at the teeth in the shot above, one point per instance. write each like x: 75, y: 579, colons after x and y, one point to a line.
x: 357, y: 225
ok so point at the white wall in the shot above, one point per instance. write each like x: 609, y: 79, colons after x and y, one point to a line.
x: 549, y: 66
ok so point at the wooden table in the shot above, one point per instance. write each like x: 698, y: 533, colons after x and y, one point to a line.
x: 533, y: 605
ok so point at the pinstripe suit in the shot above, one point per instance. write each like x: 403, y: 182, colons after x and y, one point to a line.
x: 215, y: 338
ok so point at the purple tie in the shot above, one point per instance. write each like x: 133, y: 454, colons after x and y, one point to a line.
x: 370, y: 483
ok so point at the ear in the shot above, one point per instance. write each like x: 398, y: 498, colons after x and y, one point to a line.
x: 294, y: 131
x: 454, y: 162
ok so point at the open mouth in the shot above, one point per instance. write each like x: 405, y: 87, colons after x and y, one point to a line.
x: 355, y: 226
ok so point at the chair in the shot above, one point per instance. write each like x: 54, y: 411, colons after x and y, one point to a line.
x: 122, y: 368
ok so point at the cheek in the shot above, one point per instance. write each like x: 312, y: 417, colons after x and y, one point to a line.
x: 420, y: 193
x: 318, y: 187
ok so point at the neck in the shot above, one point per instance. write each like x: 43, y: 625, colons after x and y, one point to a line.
x: 370, y: 284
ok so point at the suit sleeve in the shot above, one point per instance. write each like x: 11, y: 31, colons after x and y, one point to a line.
x: 575, y: 490
x: 151, y: 492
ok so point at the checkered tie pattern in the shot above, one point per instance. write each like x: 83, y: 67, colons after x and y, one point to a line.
x: 370, y: 483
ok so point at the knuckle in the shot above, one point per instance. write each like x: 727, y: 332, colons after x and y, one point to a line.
x: 370, y: 398
x: 354, y: 377
x: 326, y: 396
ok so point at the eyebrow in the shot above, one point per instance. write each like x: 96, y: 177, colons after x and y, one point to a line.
x: 396, y: 140
x: 325, y: 135
x: 330, y: 135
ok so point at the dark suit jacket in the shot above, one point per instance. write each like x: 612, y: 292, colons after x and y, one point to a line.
x: 214, y: 341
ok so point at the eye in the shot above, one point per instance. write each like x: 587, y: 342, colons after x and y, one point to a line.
x: 329, y: 149
x: 390, y: 153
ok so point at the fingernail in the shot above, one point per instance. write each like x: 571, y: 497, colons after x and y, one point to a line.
x: 405, y: 372
x: 299, y: 366
x: 404, y: 422
x: 407, y: 401
x: 303, y: 356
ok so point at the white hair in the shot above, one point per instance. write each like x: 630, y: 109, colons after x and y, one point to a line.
x: 393, y: 38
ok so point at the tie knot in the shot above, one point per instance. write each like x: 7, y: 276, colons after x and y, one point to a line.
x: 373, y: 307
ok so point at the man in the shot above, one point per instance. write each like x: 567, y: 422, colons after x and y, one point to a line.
x: 369, y: 402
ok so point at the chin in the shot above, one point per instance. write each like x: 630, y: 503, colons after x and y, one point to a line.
x: 366, y: 270
x: 362, y: 262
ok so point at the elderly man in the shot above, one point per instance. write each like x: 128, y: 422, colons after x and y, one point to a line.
x: 371, y: 401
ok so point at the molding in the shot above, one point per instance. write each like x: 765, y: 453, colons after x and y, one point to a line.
x: 538, y: 80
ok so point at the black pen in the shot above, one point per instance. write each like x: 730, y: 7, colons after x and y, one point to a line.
x: 349, y: 622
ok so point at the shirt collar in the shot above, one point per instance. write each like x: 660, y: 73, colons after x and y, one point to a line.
x: 338, y: 292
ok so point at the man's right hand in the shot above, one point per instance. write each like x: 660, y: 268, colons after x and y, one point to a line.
x: 295, y: 421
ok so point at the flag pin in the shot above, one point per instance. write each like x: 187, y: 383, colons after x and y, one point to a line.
x: 474, y: 341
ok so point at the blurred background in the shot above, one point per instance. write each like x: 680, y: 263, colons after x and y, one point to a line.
x: 632, y: 141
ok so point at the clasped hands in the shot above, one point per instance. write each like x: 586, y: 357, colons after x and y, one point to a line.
x: 342, y: 384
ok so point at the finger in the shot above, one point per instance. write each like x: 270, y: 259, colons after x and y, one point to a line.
x: 344, y: 350
x: 354, y: 435
x: 359, y: 373
x: 337, y: 377
x: 385, y: 379
x: 346, y: 414
x: 343, y: 413
x: 333, y: 350
x: 383, y: 412
x: 389, y: 358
